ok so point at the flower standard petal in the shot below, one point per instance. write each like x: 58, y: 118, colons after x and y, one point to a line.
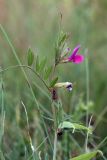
x: 74, y: 52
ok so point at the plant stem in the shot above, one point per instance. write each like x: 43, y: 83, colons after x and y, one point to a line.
x: 55, y: 134
x: 55, y: 146
x: 55, y: 121
x: 87, y: 96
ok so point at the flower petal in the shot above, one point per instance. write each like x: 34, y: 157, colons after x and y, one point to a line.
x: 69, y: 87
x: 74, y: 52
x: 78, y: 59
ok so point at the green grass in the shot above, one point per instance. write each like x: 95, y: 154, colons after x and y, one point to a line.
x: 35, y: 24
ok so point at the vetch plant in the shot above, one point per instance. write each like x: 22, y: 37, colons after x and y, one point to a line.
x: 61, y: 52
x: 49, y: 77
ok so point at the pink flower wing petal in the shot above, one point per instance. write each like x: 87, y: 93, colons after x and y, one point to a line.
x: 78, y: 59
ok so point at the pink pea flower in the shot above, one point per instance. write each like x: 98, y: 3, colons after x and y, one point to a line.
x: 74, y: 57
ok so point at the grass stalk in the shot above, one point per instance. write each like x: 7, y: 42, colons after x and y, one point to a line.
x: 55, y: 146
x: 87, y: 95
x: 19, y: 63
x: 55, y: 123
x: 2, y: 118
x: 55, y: 134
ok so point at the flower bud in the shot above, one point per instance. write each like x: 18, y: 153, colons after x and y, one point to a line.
x: 67, y: 85
x: 65, y: 52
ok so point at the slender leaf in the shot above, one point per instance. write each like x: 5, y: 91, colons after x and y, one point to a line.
x: 60, y: 46
x: 1, y: 155
x: 48, y: 72
x: 46, y: 157
x: 53, y: 82
x: 74, y: 126
x: 30, y: 57
x: 87, y: 156
x: 42, y: 64
x: 37, y: 63
x: 62, y: 38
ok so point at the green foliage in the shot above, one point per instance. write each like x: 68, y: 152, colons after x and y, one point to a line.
x: 87, y: 156
x: 83, y: 19
x: 74, y: 126
x: 30, y: 57
x: 42, y: 64
x: 53, y: 82
x: 48, y: 72
x: 60, y: 46
x: 46, y: 157
x: 37, y: 63
x: 61, y: 39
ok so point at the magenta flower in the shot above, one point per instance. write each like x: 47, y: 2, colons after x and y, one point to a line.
x: 75, y: 57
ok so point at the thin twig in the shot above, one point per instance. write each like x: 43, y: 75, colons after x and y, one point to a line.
x: 87, y: 136
x: 28, y: 127
x: 87, y: 95
x: 55, y: 122
x: 99, y: 117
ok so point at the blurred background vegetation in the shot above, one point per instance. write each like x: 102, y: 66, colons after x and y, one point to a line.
x: 36, y: 24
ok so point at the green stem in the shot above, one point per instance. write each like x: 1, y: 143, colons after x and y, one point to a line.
x: 55, y: 121
x: 55, y: 134
x: 55, y: 146
x: 87, y: 96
